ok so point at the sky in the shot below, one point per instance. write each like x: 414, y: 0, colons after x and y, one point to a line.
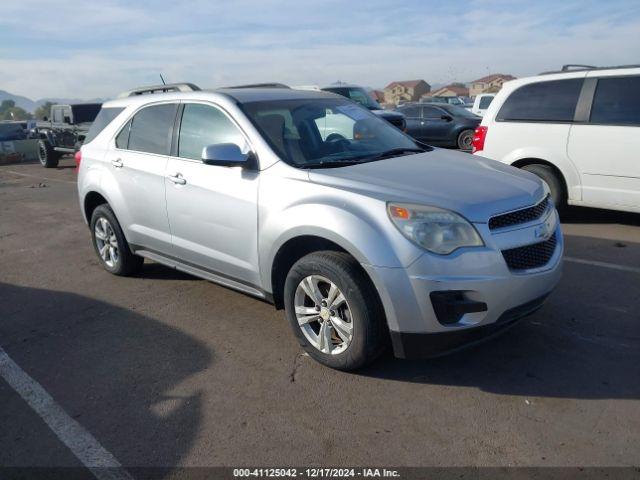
x: 98, y: 48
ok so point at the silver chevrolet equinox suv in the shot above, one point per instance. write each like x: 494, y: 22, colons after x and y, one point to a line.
x: 311, y: 202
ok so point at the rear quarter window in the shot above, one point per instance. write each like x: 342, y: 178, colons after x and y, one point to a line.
x: 151, y: 129
x: 552, y: 101
x: 617, y: 101
x: 104, y: 118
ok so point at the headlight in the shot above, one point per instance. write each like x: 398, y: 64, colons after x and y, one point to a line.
x: 439, y: 231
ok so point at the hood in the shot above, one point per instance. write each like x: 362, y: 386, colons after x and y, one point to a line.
x: 472, y: 186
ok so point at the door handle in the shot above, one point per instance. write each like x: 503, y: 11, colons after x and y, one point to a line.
x: 178, y: 179
x: 117, y: 163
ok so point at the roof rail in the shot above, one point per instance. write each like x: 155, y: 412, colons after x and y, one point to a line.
x: 581, y: 68
x: 261, y: 85
x: 169, y: 87
x: 574, y: 66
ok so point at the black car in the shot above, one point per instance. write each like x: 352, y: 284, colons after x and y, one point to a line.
x: 441, y: 124
x: 360, y: 95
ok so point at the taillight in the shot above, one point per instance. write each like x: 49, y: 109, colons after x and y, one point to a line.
x: 478, y: 138
x: 78, y: 158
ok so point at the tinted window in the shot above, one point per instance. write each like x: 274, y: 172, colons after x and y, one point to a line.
x: 122, y: 140
x: 411, y: 112
x: 456, y: 111
x: 431, y: 112
x: 204, y: 125
x: 85, y: 113
x: 104, y: 118
x: 485, y: 102
x: 151, y: 129
x: 617, y: 101
x: 543, y: 101
x: 359, y: 95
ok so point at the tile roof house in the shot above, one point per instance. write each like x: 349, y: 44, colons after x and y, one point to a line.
x: 405, y: 91
x: 449, y: 91
x: 489, y: 84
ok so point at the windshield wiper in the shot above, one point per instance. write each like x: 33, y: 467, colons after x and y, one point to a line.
x: 331, y: 163
x: 394, y: 152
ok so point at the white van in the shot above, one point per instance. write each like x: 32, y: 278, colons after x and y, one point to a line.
x: 577, y: 129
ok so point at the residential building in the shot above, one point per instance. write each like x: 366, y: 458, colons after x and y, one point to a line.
x: 452, y: 90
x: 377, y: 95
x: 405, y: 91
x: 489, y: 84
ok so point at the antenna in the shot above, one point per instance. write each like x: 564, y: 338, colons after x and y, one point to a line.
x: 161, y: 78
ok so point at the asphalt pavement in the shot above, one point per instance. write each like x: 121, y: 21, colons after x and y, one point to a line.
x: 164, y: 369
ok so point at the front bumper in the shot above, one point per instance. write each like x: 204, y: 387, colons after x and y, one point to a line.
x: 480, y: 275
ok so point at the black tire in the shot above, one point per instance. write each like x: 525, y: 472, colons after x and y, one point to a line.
x: 126, y: 263
x: 47, y: 155
x: 546, y: 173
x: 465, y: 140
x: 369, y: 334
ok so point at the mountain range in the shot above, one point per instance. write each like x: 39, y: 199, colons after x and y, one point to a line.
x: 31, y: 105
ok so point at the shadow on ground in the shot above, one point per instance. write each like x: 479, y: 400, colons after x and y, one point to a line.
x: 120, y: 374
x: 596, y: 215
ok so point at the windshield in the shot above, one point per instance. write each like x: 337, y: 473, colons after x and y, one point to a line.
x: 85, y: 113
x: 358, y: 95
x: 318, y: 132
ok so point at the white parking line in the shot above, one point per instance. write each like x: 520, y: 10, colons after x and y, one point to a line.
x: 83, y: 445
x: 39, y: 177
x: 595, y: 263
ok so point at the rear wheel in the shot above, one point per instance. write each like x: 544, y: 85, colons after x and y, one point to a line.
x: 47, y: 155
x: 334, y: 310
x: 465, y: 140
x: 110, y: 245
x: 546, y: 173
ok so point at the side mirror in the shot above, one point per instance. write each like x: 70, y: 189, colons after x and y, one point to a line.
x: 45, y: 119
x: 67, y: 119
x: 225, y: 155
x: 446, y: 118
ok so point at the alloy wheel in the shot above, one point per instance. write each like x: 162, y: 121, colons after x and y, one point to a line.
x: 323, y: 314
x: 106, y: 242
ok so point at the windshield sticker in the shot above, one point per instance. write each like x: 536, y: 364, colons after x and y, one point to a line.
x: 353, y: 111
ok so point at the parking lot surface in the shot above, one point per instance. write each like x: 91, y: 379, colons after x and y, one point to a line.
x: 164, y: 369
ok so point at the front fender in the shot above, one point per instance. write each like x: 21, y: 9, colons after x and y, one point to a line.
x: 362, y: 229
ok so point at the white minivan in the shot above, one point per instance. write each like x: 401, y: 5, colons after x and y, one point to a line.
x: 577, y: 129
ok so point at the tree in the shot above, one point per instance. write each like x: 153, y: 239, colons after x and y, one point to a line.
x: 6, y: 105
x: 43, y: 110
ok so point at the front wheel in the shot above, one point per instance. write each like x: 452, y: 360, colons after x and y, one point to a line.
x: 334, y: 311
x: 465, y: 140
x: 47, y: 155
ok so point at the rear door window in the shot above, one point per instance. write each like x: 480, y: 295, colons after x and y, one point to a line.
x: 617, y: 101
x: 104, y: 118
x: 553, y: 101
x: 151, y: 129
x: 411, y: 112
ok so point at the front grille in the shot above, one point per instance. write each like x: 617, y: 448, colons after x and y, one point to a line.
x: 531, y: 256
x: 519, y: 216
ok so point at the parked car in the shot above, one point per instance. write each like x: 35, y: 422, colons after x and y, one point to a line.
x: 63, y: 131
x: 361, y: 96
x: 458, y: 101
x: 10, y: 131
x: 358, y: 239
x: 481, y: 103
x: 577, y: 129
x: 442, y: 124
